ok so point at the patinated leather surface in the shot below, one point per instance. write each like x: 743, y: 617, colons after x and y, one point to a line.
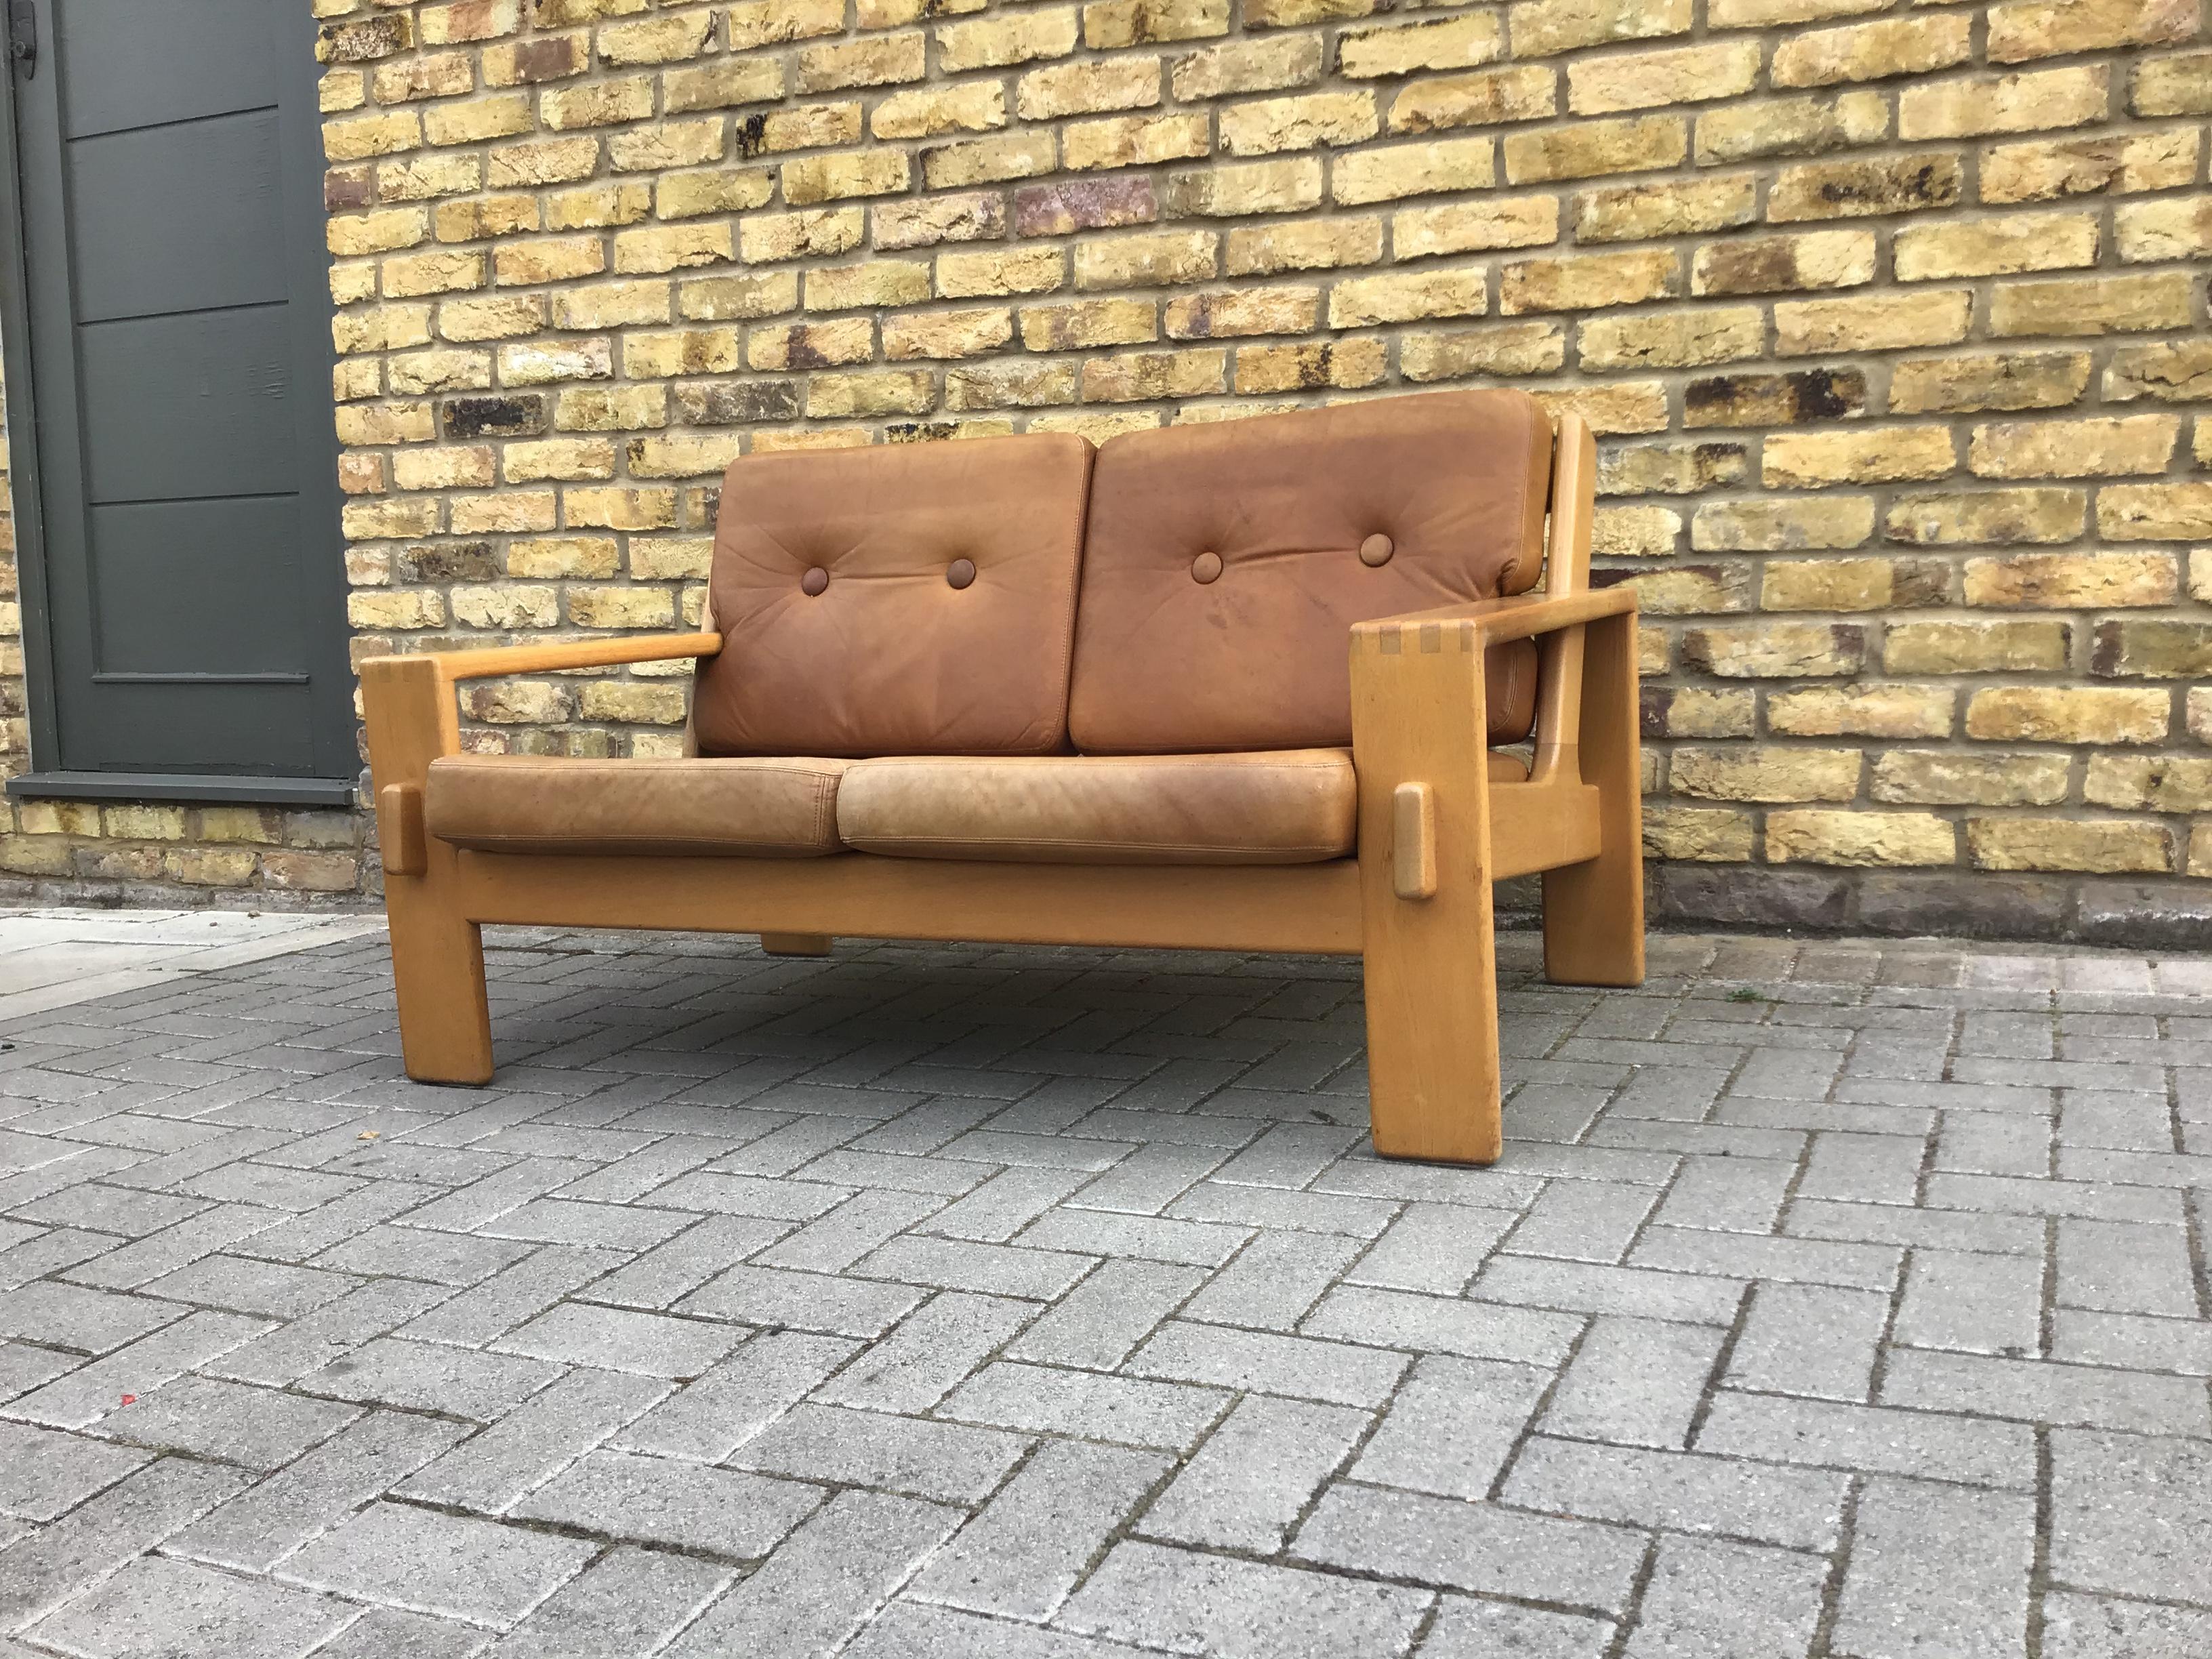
x: 759, y: 808
x: 1297, y: 806
x: 889, y: 657
x: 1248, y: 649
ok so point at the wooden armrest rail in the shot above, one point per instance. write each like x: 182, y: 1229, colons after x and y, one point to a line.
x: 1496, y: 621
x: 494, y: 661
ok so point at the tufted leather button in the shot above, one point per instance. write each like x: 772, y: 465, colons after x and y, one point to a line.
x: 1375, y: 550
x: 1205, y: 566
x: 814, y: 581
x: 960, y: 573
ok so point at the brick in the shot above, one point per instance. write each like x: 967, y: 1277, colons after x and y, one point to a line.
x: 1868, y: 51
x: 1302, y: 122
x: 1672, y: 339
x: 1481, y: 1548
x: 1587, y: 280
x: 2024, y: 242
x: 1657, y: 79
x: 1087, y: 88
x: 1592, y: 149
x: 1629, y: 213
x: 2157, y: 512
x: 1461, y: 227
x: 2172, y: 85
x: 1756, y: 399
x: 2036, y: 29
x: 1108, y: 23
x: 1839, y: 258
x: 1922, y: 385
x: 1772, y: 774
x: 1235, y: 191
x: 1812, y: 125
x: 2072, y: 449
x: 1973, y: 106
x: 1545, y: 27
x: 1845, y: 190
x: 2044, y: 171
x: 1882, y: 322
x: 1906, y: 1586
x: 1971, y: 647
x: 2095, y: 714
x: 2090, y: 306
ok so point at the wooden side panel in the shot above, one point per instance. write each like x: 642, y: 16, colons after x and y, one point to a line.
x: 1417, y: 716
x: 437, y: 953
x: 1594, y: 911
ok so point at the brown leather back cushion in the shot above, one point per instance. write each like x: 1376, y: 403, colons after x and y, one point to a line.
x: 1224, y: 568
x: 915, y: 599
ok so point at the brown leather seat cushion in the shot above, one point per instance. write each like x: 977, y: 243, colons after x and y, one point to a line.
x: 1296, y: 806
x: 908, y: 599
x: 729, y: 808
x: 1223, y: 569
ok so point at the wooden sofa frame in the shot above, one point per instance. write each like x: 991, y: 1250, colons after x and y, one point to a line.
x: 1435, y: 831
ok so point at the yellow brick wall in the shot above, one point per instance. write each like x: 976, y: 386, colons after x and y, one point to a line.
x: 1892, y: 318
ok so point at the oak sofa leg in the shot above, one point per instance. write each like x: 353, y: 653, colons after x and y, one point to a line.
x: 438, y: 969
x: 796, y: 944
x: 1425, y: 865
x: 1593, y: 911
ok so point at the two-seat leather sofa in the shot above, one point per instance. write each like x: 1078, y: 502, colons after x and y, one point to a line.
x: 1263, y: 685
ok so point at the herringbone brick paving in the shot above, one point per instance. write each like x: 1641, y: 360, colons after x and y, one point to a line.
x: 968, y: 1304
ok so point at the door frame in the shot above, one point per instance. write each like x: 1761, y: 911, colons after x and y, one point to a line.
x: 26, y: 482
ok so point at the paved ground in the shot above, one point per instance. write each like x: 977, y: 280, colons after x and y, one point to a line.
x: 975, y: 1304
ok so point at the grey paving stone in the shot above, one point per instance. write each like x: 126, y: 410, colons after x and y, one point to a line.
x: 1633, y: 1293
x: 1873, y: 1439
x: 860, y: 1224
x: 1162, y: 1598
x: 1440, y: 1324
x: 1451, y: 1426
x: 663, y: 1275
x: 1023, y: 1555
x: 1253, y: 1477
x: 1912, y: 1590
x: 802, y: 1302
x: 2132, y: 1514
x: 2087, y: 1396
x: 908, y: 1630
x: 493, y: 1468
x: 658, y: 1500
x: 432, y: 1377
x: 1811, y: 1339
x: 1469, y: 1629
x: 2133, y: 1340
x: 1583, y: 1221
x: 1273, y: 1280
x: 1005, y: 1203
x: 1710, y: 1600
x: 430, y: 1562
x: 475, y: 1316
x: 1047, y: 1400
x: 2076, y: 1626
x: 827, y: 1578
x: 1263, y: 1362
x: 2117, y: 1267
x: 622, y: 1340
x: 1100, y: 1322
x: 1152, y: 1238
x: 388, y: 1633
x: 441, y: 1258
x: 85, y: 1546
x: 24, y: 1366
x: 628, y: 1602
x: 952, y: 1462
x: 1976, y: 1304
x: 176, y: 1608
x: 94, y: 1391
x: 1635, y: 1382
x: 242, y: 1285
x: 1433, y: 1248
x: 265, y: 1522
x: 260, y: 1428
x: 79, y: 1317
x: 930, y: 1353
x: 1472, y: 1546
x: 44, y: 1473
x: 721, y: 1411
x: 332, y: 1332
x: 1682, y: 1491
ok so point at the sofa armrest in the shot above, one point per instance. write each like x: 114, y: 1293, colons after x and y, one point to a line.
x: 1497, y: 621
x: 493, y: 661
x: 407, y: 706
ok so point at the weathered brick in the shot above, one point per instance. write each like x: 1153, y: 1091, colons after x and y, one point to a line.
x: 1987, y: 516
x: 1972, y: 105
x: 1776, y: 650
x: 1799, y: 460
x: 2040, y: 714
x: 2037, y: 28
x: 1849, y: 189
x: 1869, y: 51
x: 2124, y: 164
x: 1653, y: 80
x: 1765, y: 773
x: 1484, y: 98
x: 1827, y: 258
x: 1995, y: 247
x: 1862, y: 838
x: 2041, y: 842
x: 1447, y: 164
x: 1630, y: 144
x: 1970, y: 385
x: 1545, y: 27
x: 1469, y: 227
x: 2092, y: 304
x: 1635, y: 213
x: 1944, y: 647
x: 2073, y: 449
x: 1809, y: 126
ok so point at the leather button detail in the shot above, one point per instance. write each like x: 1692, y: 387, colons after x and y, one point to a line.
x: 814, y: 581
x: 1376, y: 550
x: 960, y: 573
x: 1205, y: 567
